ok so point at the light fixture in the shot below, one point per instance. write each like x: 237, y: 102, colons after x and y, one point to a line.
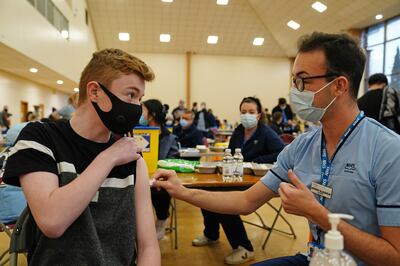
x: 76, y: 89
x: 33, y: 70
x: 293, y: 24
x: 258, y: 41
x: 212, y: 39
x: 165, y: 38
x: 222, y: 2
x: 167, y: 1
x: 65, y: 34
x: 320, y: 7
x: 123, y: 36
x: 60, y: 82
x: 379, y: 17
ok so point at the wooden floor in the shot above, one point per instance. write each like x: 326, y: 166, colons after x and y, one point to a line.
x: 190, y: 225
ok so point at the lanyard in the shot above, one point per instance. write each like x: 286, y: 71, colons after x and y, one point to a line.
x: 326, y: 165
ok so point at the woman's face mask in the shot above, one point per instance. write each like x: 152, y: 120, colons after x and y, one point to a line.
x: 302, y: 103
x: 248, y: 120
x: 143, y: 121
x: 183, y: 122
x: 122, y: 117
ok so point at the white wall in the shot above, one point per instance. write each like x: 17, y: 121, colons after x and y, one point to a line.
x: 220, y: 81
x: 169, y: 84
x: 14, y: 89
x: 223, y: 81
x: 24, y: 29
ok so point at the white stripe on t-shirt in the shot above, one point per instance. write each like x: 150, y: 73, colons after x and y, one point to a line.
x: 65, y: 167
x: 29, y: 144
x: 113, y: 182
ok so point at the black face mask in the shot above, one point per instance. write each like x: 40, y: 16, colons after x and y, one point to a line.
x: 122, y: 117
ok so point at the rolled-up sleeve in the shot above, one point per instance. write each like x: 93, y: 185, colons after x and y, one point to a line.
x: 386, y: 172
x: 279, y: 173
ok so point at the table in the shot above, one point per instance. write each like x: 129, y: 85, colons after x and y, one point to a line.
x: 214, y: 182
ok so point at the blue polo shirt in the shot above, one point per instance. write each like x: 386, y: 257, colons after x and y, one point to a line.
x: 365, y: 174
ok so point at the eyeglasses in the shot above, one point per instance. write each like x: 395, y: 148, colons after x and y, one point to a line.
x: 299, y: 82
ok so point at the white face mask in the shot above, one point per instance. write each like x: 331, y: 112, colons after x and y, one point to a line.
x: 302, y: 103
x: 248, y: 120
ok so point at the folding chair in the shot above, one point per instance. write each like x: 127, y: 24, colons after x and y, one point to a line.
x: 7, y: 229
x: 22, y: 236
x: 272, y: 227
x: 173, y: 222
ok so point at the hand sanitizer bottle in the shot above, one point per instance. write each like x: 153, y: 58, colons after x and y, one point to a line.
x: 333, y: 254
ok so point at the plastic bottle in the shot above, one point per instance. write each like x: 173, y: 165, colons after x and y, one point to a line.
x: 333, y: 254
x: 238, y: 165
x: 227, y: 166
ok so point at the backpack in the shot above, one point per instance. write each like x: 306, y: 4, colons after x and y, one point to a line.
x: 389, y: 114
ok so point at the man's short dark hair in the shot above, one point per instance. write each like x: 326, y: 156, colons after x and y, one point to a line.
x: 282, y: 101
x: 378, y: 78
x: 344, y: 56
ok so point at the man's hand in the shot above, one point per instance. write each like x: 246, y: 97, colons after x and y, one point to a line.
x: 297, y: 199
x: 123, y: 151
x: 168, y: 180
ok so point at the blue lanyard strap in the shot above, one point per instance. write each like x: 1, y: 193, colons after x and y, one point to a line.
x: 326, y: 165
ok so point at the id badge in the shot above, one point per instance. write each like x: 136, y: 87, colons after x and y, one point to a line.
x: 321, y: 190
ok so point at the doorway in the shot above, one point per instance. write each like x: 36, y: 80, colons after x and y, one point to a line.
x: 24, y: 110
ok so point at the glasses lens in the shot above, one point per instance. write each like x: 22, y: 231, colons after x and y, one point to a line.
x: 299, y: 84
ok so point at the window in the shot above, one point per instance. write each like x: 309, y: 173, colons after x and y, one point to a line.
x: 382, y: 42
x: 52, y: 14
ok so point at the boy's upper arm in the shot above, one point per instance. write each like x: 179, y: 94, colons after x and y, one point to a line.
x: 143, y: 208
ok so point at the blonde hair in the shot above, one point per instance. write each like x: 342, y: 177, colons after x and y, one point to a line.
x: 108, y: 65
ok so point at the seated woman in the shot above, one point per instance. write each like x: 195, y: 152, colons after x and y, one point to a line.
x: 260, y: 144
x: 154, y: 115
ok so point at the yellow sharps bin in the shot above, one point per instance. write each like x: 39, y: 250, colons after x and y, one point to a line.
x: 150, y: 152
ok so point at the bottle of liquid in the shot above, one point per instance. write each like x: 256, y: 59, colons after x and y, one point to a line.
x: 333, y: 254
x: 227, y: 166
x: 238, y: 165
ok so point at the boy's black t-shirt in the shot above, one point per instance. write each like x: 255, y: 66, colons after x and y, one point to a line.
x: 105, y: 233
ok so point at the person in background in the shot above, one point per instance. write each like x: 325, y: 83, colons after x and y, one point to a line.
x: 205, y: 120
x: 371, y: 101
x: 5, y: 120
x: 194, y: 108
x: 286, y: 110
x: 169, y: 119
x: 259, y: 144
x: 14, y: 131
x: 226, y: 125
x: 30, y: 116
x: 188, y: 134
x: 177, y: 112
x: 357, y: 156
x: 68, y: 110
x: 153, y: 115
x: 268, y: 116
x: 217, y: 122
x: 276, y: 123
x: 82, y: 184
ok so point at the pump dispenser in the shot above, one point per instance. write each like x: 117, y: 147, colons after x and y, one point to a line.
x: 333, y: 254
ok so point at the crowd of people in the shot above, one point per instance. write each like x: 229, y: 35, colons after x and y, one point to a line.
x: 83, y: 175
